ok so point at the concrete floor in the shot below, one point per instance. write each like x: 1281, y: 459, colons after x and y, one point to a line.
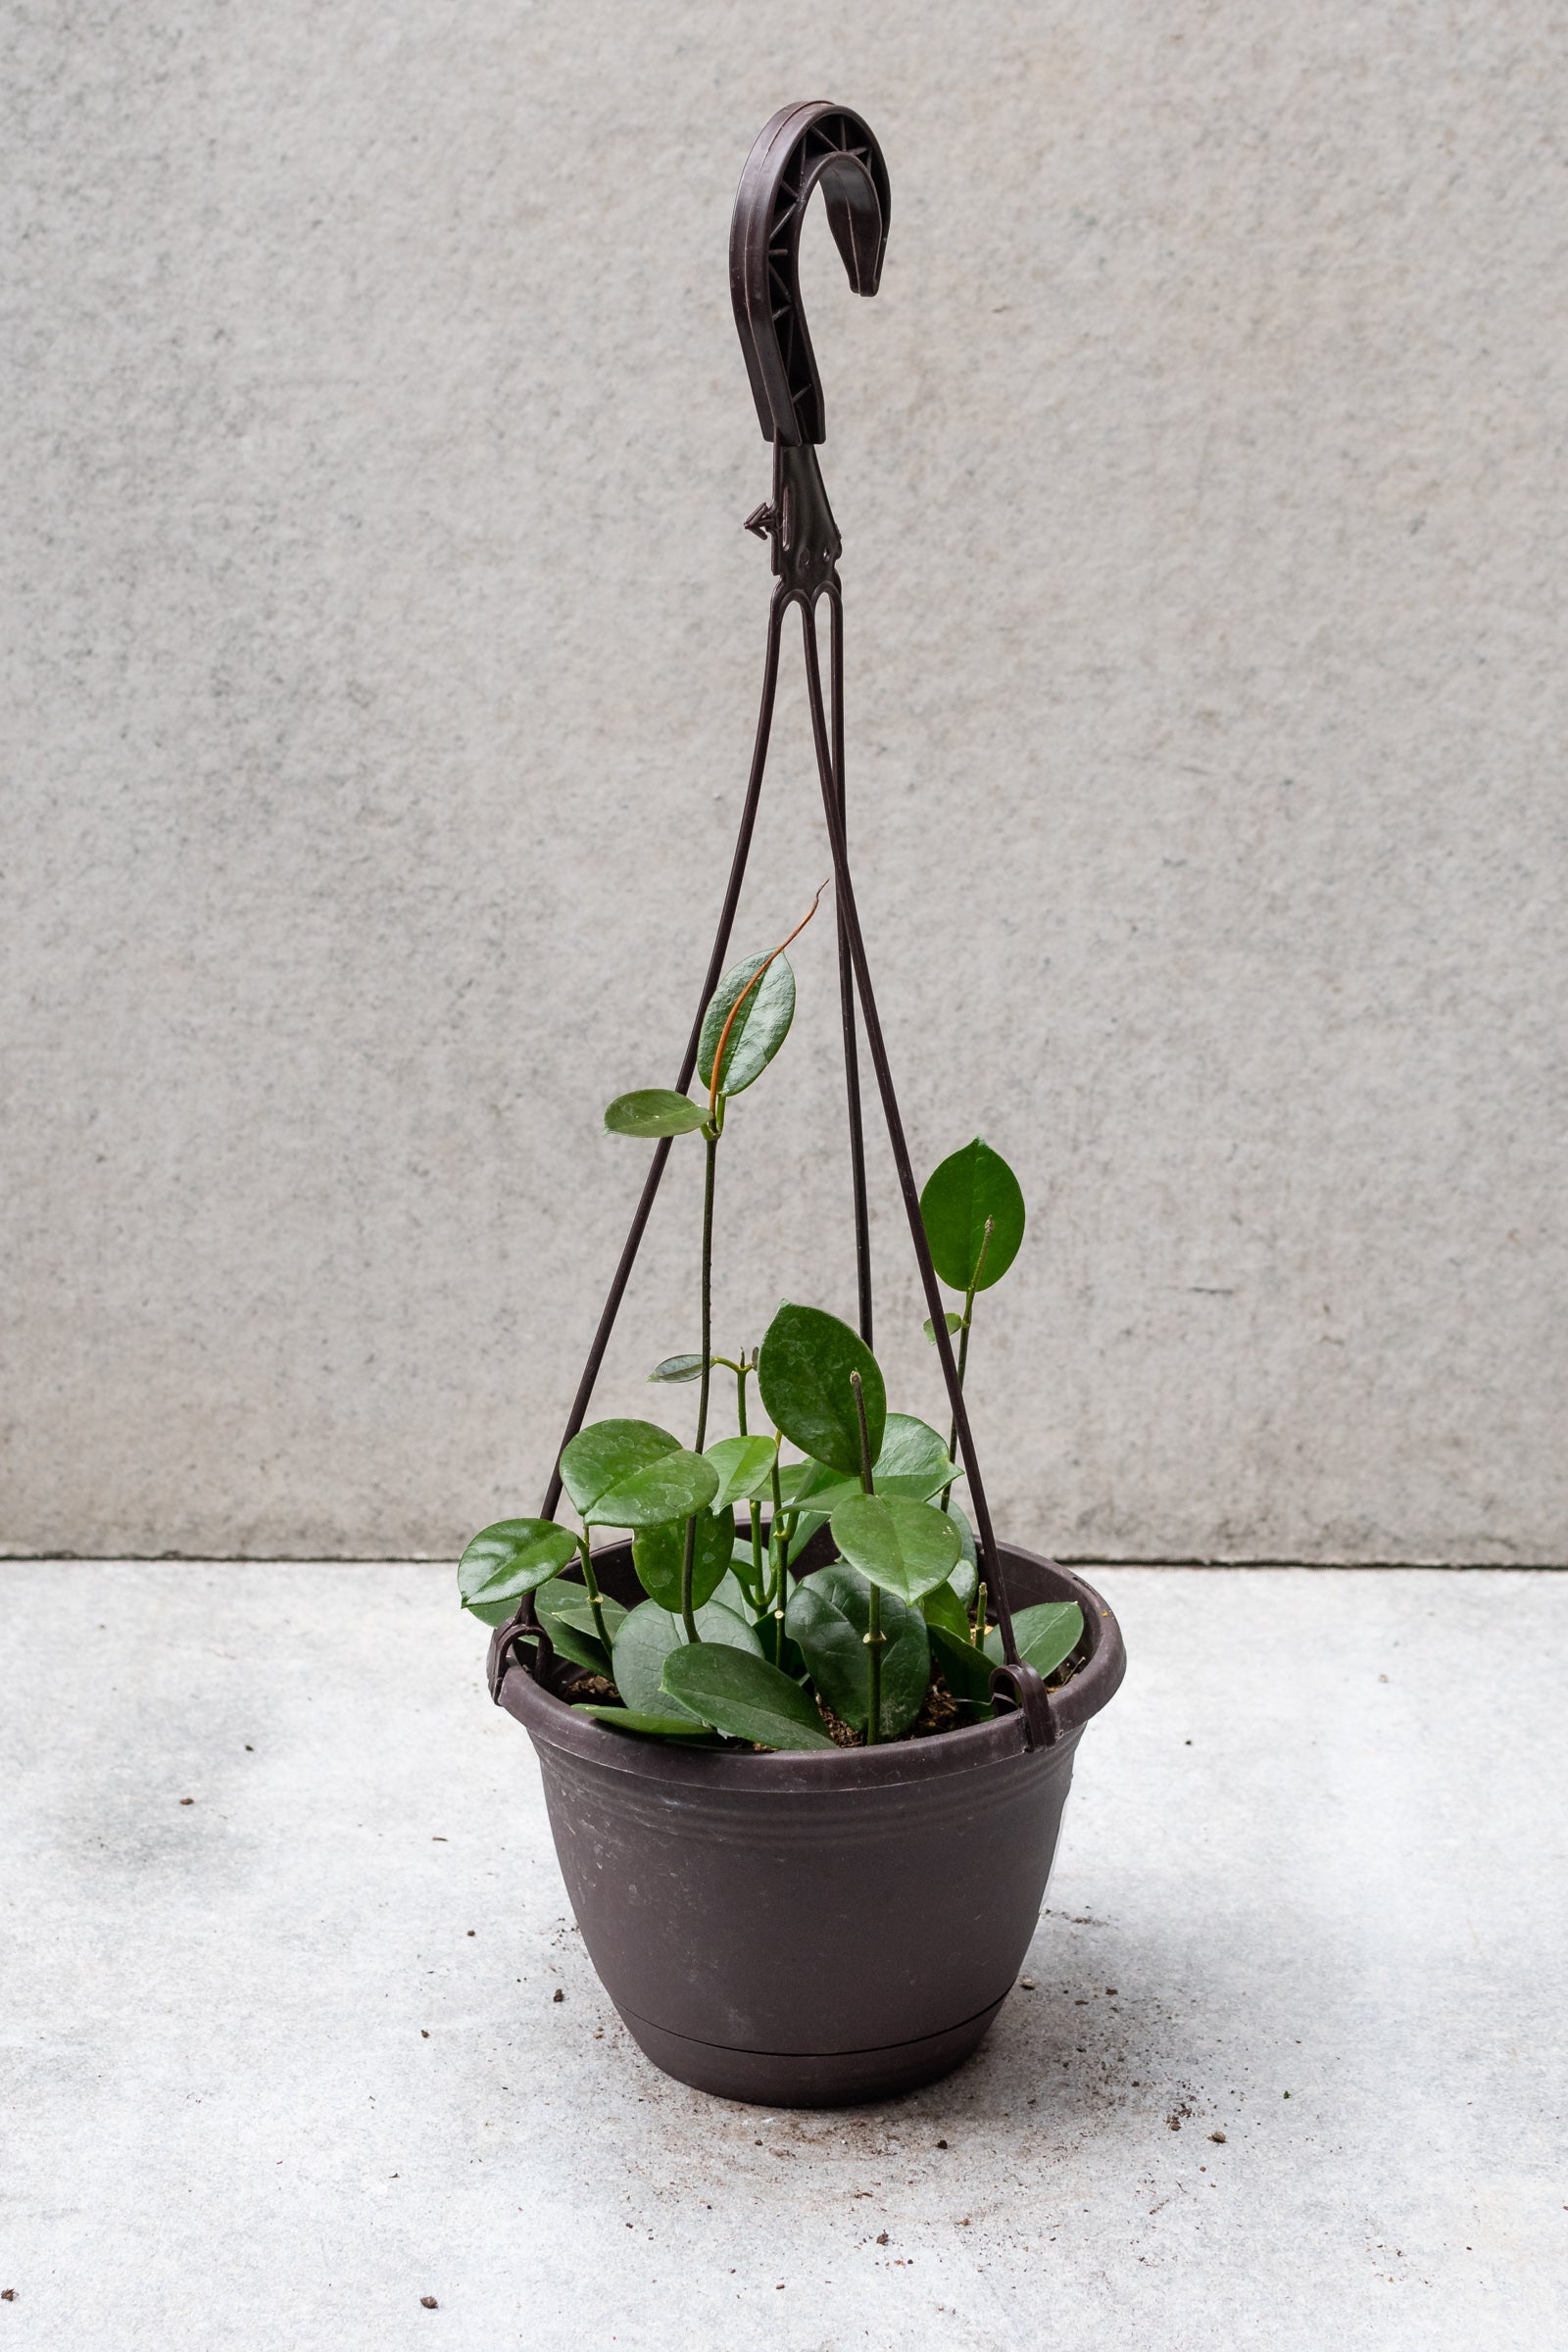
x: 288, y: 2058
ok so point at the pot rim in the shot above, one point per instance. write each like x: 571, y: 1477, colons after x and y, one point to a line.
x: 554, y: 1723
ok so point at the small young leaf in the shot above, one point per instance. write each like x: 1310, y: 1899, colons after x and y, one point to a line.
x: 745, y: 1467
x: 651, y: 1727
x: 648, y: 1635
x: 757, y: 1029
x: 743, y: 1696
x: 654, y: 1111
x: 905, y: 1548
x: 678, y: 1368
x: 634, y: 1474
x: 658, y: 1555
x: 829, y: 1615
x: 974, y: 1184
x: 954, y: 1324
x: 804, y: 1372
x: 512, y: 1558
x: 1048, y: 1633
x: 965, y: 1669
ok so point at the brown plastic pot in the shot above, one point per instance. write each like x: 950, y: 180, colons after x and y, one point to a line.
x: 808, y: 1929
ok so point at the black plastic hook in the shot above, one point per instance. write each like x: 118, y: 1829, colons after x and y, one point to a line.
x: 801, y: 145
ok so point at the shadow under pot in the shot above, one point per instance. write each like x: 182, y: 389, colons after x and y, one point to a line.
x: 804, y: 1929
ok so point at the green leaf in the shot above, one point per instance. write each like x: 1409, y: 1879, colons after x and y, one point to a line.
x: 562, y: 1609
x: 492, y: 1612
x: 654, y: 1111
x: 803, y: 1371
x: 659, y: 1555
x: 974, y: 1184
x: 512, y: 1558
x: 1048, y: 1633
x: 965, y: 1578
x: 634, y: 1474
x: 745, y: 1467
x: 913, y: 1464
x: 954, y: 1323
x: 942, y: 1606
x: 678, y: 1368
x: 965, y: 1669
x: 905, y: 1548
x: 743, y: 1696
x: 828, y: 1617
x: 651, y: 1727
x: 759, y: 1029
x: 648, y: 1635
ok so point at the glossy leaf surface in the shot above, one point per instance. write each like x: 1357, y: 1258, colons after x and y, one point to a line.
x: 654, y: 1111
x: 804, y: 1372
x: 562, y: 1609
x: 512, y: 1558
x: 828, y: 1617
x: 743, y: 1696
x: 974, y: 1184
x: 905, y: 1548
x: 1048, y: 1633
x: 913, y: 1463
x: 648, y: 1635
x: 745, y: 1468
x: 658, y: 1555
x: 757, y: 1029
x: 634, y: 1474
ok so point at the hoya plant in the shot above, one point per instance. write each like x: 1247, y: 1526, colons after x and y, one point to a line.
x: 811, y: 1581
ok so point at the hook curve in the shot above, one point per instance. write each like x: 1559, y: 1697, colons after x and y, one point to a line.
x: 814, y: 140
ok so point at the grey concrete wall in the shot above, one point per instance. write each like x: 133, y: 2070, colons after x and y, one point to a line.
x: 380, y: 652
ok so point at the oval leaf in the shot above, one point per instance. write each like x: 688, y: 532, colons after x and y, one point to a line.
x: 954, y: 1324
x: 905, y: 1548
x: 678, y: 1368
x: 651, y: 1727
x: 649, y: 1635
x: 745, y: 1467
x: 803, y: 1371
x: 942, y: 1606
x: 658, y: 1555
x: 1048, y: 1633
x: 654, y: 1111
x: 974, y: 1184
x: 743, y: 1696
x: 829, y: 1614
x: 757, y: 1029
x: 512, y: 1558
x: 634, y: 1474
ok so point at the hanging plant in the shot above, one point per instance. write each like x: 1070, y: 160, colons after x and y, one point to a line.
x: 805, y: 1725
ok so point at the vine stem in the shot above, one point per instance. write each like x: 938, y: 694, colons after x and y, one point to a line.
x: 964, y: 1347
x: 873, y: 1632
x: 711, y: 1139
x: 595, y: 1597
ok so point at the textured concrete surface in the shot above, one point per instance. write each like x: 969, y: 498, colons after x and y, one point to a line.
x: 379, y: 670
x: 288, y: 2058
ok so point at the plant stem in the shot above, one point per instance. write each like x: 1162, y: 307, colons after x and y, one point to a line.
x: 964, y: 1348
x: 593, y: 1594
x: 873, y: 1624
x: 711, y: 1139
x: 980, y: 1617
x: 778, y: 1545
